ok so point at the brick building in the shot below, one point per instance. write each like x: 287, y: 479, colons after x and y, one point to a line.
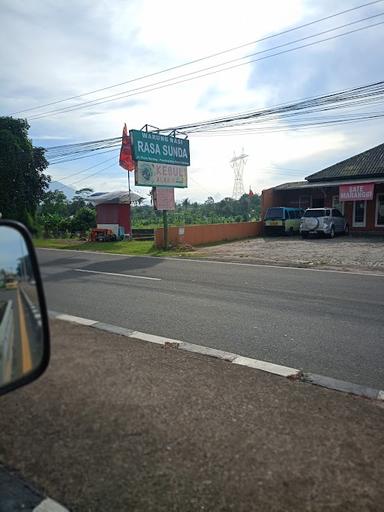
x: 355, y: 186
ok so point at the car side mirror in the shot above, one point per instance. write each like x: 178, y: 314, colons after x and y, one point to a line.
x: 24, y: 331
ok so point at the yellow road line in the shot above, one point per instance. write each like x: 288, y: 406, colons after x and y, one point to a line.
x: 25, y: 344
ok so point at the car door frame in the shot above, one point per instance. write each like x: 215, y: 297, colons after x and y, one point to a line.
x: 339, y: 221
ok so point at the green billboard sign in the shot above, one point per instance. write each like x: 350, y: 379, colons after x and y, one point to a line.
x: 162, y: 149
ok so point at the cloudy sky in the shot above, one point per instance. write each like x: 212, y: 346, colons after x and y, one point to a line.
x: 54, y: 49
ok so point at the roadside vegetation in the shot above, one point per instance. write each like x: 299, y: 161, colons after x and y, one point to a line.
x: 141, y: 247
x: 51, y: 216
x: 247, y: 208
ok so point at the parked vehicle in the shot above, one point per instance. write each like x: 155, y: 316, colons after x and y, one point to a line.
x: 11, y: 284
x: 280, y: 220
x: 102, y: 235
x: 324, y: 221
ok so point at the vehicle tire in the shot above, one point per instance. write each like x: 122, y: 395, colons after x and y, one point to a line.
x: 346, y: 230
x: 304, y: 235
x: 332, y: 232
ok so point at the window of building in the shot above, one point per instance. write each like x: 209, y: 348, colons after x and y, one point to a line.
x: 305, y: 202
x: 379, y: 210
x: 318, y: 202
x: 359, y: 213
x: 337, y: 204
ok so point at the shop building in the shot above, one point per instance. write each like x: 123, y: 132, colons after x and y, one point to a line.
x: 355, y: 186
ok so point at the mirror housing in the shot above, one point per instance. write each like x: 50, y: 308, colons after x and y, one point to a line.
x: 24, y: 328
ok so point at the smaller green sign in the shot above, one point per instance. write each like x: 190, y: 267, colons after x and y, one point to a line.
x: 152, y: 147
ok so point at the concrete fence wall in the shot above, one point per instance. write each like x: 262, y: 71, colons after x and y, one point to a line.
x: 199, y: 234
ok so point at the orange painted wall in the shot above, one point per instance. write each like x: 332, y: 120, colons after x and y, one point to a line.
x: 268, y: 199
x: 199, y: 234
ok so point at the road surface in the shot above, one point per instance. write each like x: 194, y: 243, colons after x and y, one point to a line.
x: 329, y: 323
x: 21, y: 349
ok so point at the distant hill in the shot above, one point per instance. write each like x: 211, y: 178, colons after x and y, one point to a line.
x: 57, y: 185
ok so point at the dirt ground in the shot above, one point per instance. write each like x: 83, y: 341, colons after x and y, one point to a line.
x: 346, y: 253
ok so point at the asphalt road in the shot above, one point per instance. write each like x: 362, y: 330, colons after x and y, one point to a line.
x: 25, y: 350
x: 323, y: 322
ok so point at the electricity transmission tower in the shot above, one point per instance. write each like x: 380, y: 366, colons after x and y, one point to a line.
x: 238, y: 164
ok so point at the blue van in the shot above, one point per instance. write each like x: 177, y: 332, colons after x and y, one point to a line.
x: 279, y: 220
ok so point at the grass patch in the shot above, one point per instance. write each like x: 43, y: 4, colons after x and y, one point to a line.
x: 120, y: 247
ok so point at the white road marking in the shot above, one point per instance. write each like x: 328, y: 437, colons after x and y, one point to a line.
x: 116, y: 274
x: 260, y: 265
x: 49, y: 505
x: 265, y: 366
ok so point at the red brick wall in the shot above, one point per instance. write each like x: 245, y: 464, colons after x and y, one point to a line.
x: 208, y: 233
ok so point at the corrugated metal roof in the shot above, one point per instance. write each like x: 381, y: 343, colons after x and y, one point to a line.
x: 117, y: 197
x: 369, y: 164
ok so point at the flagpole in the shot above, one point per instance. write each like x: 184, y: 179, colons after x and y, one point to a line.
x: 126, y: 162
x: 129, y: 192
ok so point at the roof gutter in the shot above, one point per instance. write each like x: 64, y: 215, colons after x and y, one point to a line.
x: 334, y: 183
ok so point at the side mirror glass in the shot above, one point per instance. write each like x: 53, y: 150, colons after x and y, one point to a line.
x: 24, y: 334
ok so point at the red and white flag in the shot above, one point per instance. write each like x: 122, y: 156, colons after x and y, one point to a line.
x: 126, y: 160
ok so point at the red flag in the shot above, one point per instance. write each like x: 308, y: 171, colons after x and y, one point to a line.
x: 250, y: 194
x: 126, y: 160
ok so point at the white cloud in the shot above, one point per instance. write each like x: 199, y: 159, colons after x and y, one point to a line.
x: 64, y: 49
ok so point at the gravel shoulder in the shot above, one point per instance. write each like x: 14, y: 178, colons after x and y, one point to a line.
x: 342, y: 253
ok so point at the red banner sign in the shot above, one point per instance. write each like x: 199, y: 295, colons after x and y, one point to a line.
x: 356, y: 192
x: 126, y: 160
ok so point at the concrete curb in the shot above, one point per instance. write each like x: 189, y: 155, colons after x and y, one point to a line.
x: 265, y: 366
x: 344, y: 386
x: 19, y: 494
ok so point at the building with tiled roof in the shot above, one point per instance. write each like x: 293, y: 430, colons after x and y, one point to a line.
x: 355, y: 186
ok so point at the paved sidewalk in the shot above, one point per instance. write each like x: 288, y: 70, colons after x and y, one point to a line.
x: 118, y: 424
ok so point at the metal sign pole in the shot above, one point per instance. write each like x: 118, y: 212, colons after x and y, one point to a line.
x: 165, y: 224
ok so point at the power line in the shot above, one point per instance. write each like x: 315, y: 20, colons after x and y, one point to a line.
x: 80, y: 157
x: 94, y: 174
x: 171, y: 81
x: 299, y: 113
x: 87, y: 169
x: 371, y: 93
x: 201, y: 58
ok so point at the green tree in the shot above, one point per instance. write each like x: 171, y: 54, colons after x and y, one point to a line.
x: 84, y: 220
x: 54, y: 202
x: 80, y: 200
x: 50, y: 223
x: 22, y: 166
